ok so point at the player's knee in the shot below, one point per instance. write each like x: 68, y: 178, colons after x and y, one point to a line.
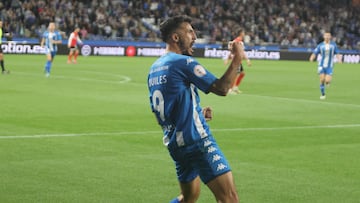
x: 230, y: 197
x: 191, y: 196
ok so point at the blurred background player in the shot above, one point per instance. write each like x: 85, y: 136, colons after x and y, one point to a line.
x: 73, y: 41
x: 3, y: 71
x: 241, y: 73
x: 51, y: 38
x: 327, y: 50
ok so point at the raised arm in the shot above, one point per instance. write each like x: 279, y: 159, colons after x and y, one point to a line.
x: 221, y: 86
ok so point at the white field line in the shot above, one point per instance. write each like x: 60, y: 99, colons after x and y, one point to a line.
x: 304, y: 100
x: 159, y: 132
x: 287, y: 128
x: 126, y: 80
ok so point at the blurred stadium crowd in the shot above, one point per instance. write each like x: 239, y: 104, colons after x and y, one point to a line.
x: 267, y: 22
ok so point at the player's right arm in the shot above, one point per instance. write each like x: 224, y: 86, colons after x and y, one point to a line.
x: 337, y: 54
x: 312, y: 57
x: 315, y: 53
x: 222, y: 85
x: 42, y: 42
x: 43, y: 38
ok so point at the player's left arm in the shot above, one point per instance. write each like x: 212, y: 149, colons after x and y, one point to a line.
x: 338, y: 55
x: 339, y: 58
x: 58, y: 38
x: 244, y: 56
x: 79, y: 40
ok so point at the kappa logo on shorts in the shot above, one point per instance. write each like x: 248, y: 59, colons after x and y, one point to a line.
x: 199, y: 71
x: 211, y: 149
x: 220, y: 167
x: 216, y: 158
x: 207, y: 143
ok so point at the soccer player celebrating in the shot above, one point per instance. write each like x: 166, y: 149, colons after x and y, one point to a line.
x: 51, y: 38
x: 241, y: 73
x: 3, y: 71
x: 327, y: 49
x: 173, y: 82
x: 73, y: 42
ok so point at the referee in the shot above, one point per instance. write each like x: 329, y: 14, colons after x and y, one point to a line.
x: 3, y: 71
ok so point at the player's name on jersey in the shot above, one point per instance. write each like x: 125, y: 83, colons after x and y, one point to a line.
x: 157, y: 80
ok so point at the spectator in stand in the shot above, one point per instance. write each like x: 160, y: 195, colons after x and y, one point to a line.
x: 269, y: 22
x: 84, y: 33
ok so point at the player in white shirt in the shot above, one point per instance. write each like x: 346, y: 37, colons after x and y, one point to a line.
x: 73, y: 42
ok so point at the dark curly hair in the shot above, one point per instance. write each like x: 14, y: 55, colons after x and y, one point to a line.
x: 168, y: 26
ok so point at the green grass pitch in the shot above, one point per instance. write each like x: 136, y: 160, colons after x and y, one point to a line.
x: 86, y: 134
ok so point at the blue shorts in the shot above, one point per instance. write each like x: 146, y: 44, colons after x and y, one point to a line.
x: 326, y: 71
x: 203, y: 159
x: 52, y: 53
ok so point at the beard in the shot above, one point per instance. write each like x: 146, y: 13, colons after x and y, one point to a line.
x: 188, y: 52
x: 184, y: 50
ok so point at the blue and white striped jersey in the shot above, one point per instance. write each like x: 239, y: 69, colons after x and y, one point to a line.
x: 49, y: 38
x: 173, y: 83
x: 327, y: 52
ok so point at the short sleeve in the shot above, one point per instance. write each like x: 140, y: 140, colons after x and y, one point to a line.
x: 317, y: 50
x: 58, y: 36
x: 197, y: 74
x: 336, y: 50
